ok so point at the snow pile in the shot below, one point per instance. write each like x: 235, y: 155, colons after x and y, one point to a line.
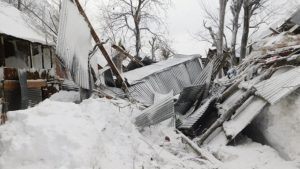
x: 66, y: 96
x: 250, y: 155
x: 97, y: 133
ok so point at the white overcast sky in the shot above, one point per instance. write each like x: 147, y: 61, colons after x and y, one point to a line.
x: 185, y: 19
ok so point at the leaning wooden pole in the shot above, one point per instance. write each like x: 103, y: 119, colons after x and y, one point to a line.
x: 101, y: 47
x: 119, y: 49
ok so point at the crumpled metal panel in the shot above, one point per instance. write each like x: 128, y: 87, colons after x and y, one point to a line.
x: 160, y: 111
x: 276, y: 88
x: 190, y: 121
x: 187, y: 98
x: 143, y: 93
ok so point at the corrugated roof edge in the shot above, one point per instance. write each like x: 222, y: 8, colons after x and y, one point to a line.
x: 185, y: 58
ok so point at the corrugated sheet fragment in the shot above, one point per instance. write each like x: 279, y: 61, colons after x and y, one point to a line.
x: 217, y: 138
x: 69, y: 85
x: 74, y: 43
x: 191, y: 120
x: 160, y: 111
x: 244, y: 116
x: 277, y: 87
x: 35, y: 97
x: 296, y: 18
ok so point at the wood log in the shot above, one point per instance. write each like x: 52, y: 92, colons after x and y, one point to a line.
x: 119, y: 49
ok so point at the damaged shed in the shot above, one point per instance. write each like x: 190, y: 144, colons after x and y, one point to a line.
x: 26, y: 59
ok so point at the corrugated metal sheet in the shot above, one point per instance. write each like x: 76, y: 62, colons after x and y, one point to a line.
x: 160, y: 111
x: 74, y: 43
x: 243, y: 116
x: 217, y: 138
x: 190, y: 121
x: 174, y: 78
x: 187, y: 98
x: 34, y: 97
x: 277, y: 87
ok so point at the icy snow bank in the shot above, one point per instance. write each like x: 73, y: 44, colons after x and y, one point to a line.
x: 66, y: 96
x: 94, y: 134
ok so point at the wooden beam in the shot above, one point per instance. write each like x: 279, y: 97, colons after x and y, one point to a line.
x: 31, y: 84
x: 43, y: 59
x: 31, y: 54
x: 2, y: 51
x: 119, y: 49
x: 101, y: 47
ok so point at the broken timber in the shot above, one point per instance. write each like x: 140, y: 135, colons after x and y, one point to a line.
x: 101, y: 47
x: 225, y: 116
x: 119, y: 49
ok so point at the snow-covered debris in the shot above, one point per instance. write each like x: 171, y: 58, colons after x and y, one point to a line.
x: 14, y: 23
x: 97, y: 133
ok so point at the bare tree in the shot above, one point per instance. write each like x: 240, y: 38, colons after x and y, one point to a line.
x: 250, y: 8
x: 220, y: 35
x: 154, y: 47
x: 136, y: 17
x: 236, y: 6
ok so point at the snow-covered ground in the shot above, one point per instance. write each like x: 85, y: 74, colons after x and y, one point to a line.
x: 99, y: 134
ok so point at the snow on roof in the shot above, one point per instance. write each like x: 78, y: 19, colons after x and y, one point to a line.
x: 14, y: 23
x: 140, y: 73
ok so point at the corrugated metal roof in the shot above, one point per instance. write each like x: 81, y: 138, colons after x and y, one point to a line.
x: 175, y: 78
x: 277, y: 87
x: 138, y: 74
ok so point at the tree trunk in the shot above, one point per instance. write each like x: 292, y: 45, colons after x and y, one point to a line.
x: 19, y: 4
x: 245, y: 35
x: 223, y: 4
x: 236, y: 9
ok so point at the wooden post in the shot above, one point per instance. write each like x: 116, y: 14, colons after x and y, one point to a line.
x: 31, y: 53
x: 51, y: 56
x: 119, y: 49
x: 2, y: 51
x: 101, y: 47
x: 43, y: 60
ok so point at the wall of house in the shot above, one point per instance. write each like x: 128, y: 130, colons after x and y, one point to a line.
x: 279, y: 125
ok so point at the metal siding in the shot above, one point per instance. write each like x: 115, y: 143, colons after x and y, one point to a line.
x: 235, y: 97
x: 175, y: 78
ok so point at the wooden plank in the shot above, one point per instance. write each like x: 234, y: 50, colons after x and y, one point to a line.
x: 2, y: 51
x: 101, y: 47
x: 31, y: 54
x: 14, y: 84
